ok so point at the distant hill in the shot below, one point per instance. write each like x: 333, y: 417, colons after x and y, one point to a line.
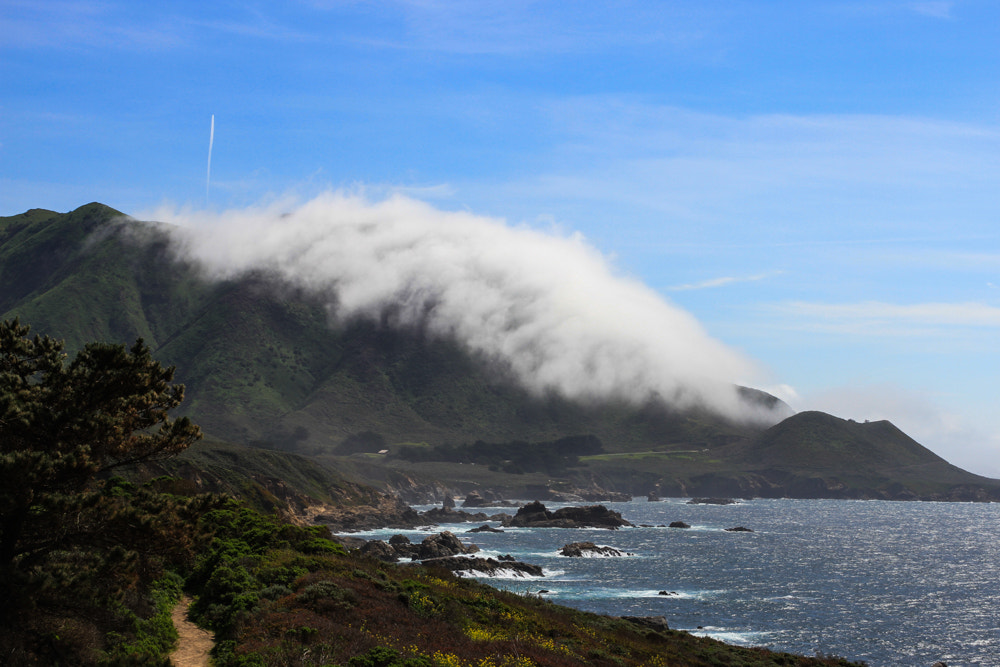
x: 836, y: 457
x: 267, y: 364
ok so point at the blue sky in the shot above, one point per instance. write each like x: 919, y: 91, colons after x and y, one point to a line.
x: 817, y: 183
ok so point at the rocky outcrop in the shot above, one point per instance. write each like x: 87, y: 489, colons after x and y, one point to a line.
x: 739, y: 529
x: 417, y: 492
x: 403, y: 547
x: 440, y: 545
x: 590, y: 550
x: 443, y: 545
x: 387, y: 512
x: 485, y: 528
x: 535, y: 515
x: 597, y: 495
x: 679, y: 524
x: 588, y: 494
x: 445, y: 515
x: 712, y: 501
x: 379, y: 550
x: 486, y: 499
x: 485, y: 567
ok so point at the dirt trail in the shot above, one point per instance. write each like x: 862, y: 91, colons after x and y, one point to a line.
x: 194, y: 643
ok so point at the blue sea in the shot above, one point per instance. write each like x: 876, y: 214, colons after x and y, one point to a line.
x: 890, y: 583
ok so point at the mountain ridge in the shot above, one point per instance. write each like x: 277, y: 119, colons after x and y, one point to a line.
x: 267, y: 363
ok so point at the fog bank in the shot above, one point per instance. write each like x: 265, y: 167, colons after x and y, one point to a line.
x: 549, y: 306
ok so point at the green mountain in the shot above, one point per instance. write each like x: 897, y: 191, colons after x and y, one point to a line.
x: 265, y: 363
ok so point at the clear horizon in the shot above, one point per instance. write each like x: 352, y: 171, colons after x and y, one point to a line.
x: 815, y: 183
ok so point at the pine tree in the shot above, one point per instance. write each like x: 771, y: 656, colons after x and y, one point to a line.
x: 61, y: 425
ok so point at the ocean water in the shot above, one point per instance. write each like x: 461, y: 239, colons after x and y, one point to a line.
x: 890, y: 583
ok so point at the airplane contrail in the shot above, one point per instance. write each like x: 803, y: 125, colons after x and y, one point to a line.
x: 211, y: 140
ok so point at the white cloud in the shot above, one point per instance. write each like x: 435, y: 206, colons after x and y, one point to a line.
x: 548, y: 306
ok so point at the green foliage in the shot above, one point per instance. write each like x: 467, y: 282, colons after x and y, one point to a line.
x: 72, y: 546
x: 383, y: 656
x: 61, y: 425
x: 155, y: 636
x: 251, y: 557
x: 326, y: 596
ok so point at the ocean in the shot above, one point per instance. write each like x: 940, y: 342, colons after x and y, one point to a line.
x: 890, y: 583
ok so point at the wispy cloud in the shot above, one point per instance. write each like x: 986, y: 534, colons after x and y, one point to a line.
x: 837, y: 176
x: 64, y: 24
x: 108, y: 24
x: 720, y: 282
x: 879, y: 318
x: 524, y: 27
x: 935, y: 9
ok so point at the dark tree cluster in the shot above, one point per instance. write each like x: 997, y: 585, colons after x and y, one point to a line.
x: 71, y: 545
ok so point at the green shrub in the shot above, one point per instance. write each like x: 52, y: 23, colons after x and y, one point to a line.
x: 154, y: 637
x: 326, y: 596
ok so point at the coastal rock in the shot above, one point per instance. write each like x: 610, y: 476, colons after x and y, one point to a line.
x: 387, y: 512
x: 485, y: 567
x: 597, y: 494
x: 563, y: 496
x: 591, y: 516
x: 443, y: 545
x: 486, y: 499
x: 474, y: 499
x: 589, y: 550
x: 679, y: 524
x: 418, y: 492
x: 379, y: 550
x: 485, y: 528
x: 448, y: 503
x: 444, y: 515
x: 738, y: 529
x: 403, y: 547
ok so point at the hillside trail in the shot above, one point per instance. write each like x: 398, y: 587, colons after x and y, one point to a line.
x: 193, y: 643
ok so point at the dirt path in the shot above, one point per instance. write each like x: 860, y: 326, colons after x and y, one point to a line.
x: 194, y: 643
